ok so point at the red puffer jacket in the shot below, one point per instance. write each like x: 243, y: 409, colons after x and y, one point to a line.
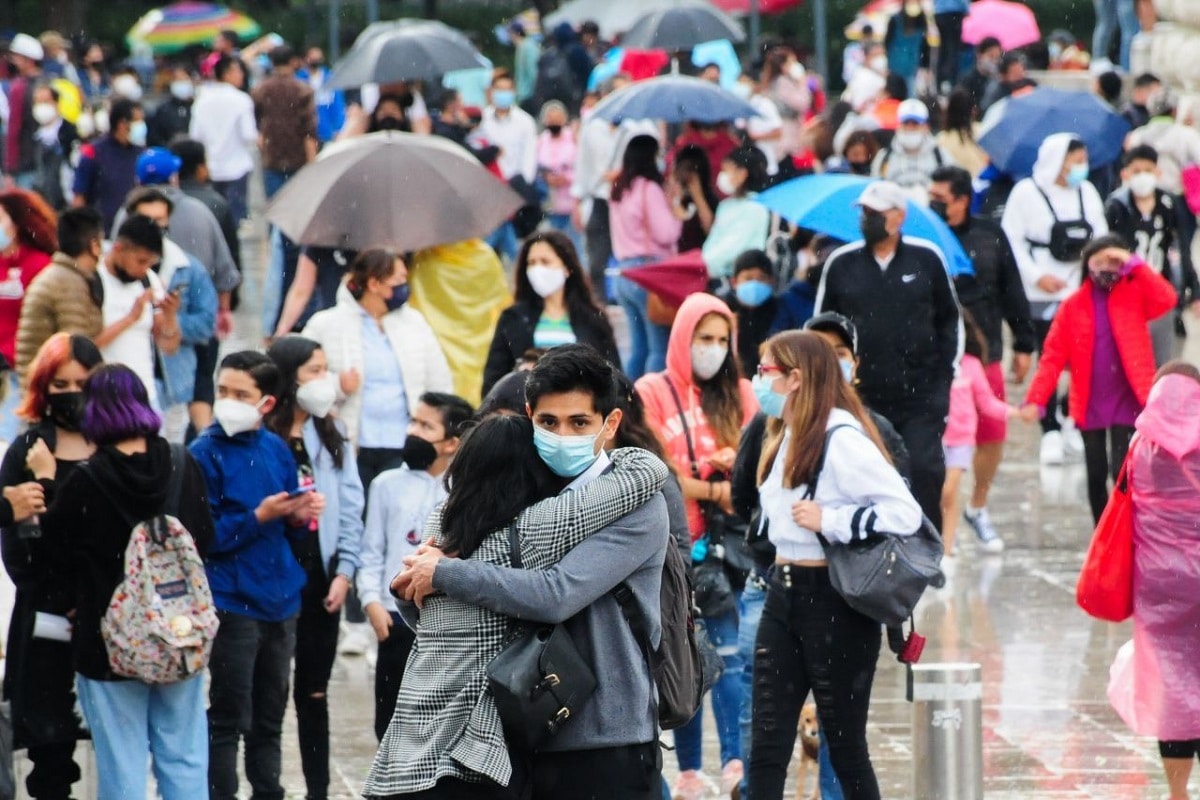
x: 1141, y: 296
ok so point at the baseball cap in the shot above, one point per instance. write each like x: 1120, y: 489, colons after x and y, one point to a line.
x: 882, y: 196
x: 912, y: 110
x: 25, y: 45
x: 838, y: 325
x: 157, y: 165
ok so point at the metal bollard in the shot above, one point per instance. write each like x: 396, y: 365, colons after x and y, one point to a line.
x: 947, y: 731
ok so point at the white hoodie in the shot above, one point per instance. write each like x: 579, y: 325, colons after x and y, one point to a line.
x: 1027, y: 218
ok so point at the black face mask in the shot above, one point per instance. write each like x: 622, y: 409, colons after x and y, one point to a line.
x: 939, y: 208
x: 66, y: 409
x: 1104, y: 279
x: 873, y: 227
x: 418, y: 454
x: 122, y: 275
x: 389, y: 124
x: 860, y: 167
x: 555, y: 130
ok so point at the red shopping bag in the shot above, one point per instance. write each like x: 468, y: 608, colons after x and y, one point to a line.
x: 1105, y: 588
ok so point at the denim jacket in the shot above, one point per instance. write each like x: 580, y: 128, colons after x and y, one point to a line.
x: 340, y: 528
x: 197, y: 321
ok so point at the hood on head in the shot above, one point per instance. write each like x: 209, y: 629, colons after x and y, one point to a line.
x: 564, y: 34
x: 679, y: 348
x: 1169, y: 419
x: 1051, y: 156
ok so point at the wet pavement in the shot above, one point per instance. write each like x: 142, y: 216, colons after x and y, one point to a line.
x: 1048, y: 730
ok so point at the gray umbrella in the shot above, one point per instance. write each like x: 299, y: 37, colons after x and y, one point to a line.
x: 407, y: 50
x: 395, y: 190
x: 681, y: 28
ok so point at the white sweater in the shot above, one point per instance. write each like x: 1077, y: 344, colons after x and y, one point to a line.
x: 858, y: 491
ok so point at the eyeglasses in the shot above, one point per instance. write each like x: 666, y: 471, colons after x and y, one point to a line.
x: 768, y: 369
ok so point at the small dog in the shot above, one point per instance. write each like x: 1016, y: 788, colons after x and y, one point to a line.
x: 809, y: 747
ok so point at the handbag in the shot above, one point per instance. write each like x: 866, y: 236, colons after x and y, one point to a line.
x: 539, y: 679
x: 1105, y: 587
x: 884, y: 575
x: 1189, y: 176
x: 658, y: 310
x: 712, y: 587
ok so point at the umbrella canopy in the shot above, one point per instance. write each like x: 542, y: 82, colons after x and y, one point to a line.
x: 612, y: 16
x: 407, y: 50
x: 672, y: 279
x: 764, y: 6
x: 1012, y: 141
x: 674, y: 98
x: 171, y: 28
x: 393, y: 190
x: 825, y: 204
x: 682, y: 28
x: 1012, y: 23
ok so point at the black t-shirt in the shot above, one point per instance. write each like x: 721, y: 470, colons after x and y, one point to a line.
x: 307, y: 550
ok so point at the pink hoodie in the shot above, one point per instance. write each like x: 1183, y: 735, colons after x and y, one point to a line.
x: 662, y: 415
x: 970, y: 396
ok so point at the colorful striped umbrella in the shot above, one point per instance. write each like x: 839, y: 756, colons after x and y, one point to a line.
x: 174, y: 27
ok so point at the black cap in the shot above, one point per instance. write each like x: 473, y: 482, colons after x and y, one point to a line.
x: 835, y: 323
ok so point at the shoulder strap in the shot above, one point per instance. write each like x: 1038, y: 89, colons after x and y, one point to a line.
x: 687, y: 433
x: 514, y: 547
x: 175, y: 484
x: 811, y: 491
x: 1050, y: 205
x: 937, y: 155
x: 883, y: 165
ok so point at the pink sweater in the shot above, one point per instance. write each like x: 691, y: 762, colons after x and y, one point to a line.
x: 642, y: 223
x: 970, y: 396
x: 556, y: 154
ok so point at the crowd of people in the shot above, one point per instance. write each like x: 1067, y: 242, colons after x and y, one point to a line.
x: 348, y: 465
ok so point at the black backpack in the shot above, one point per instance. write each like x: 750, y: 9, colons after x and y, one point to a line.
x: 1068, y: 237
x: 556, y: 80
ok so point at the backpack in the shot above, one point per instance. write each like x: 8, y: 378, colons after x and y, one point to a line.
x: 1068, y: 237
x: 161, y: 622
x: 685, y: 665
x: 556, y: 80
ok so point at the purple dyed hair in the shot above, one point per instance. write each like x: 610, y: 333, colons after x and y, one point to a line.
x: 118, y: 407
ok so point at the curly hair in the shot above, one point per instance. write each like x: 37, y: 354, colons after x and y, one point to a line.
x: 35, y: 221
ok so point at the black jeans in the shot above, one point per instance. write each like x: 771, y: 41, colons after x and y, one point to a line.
x: 922, y: 429
x: 1099, y: 466
x: 316, y: 649
x: 810, y: 640
x: 1049, y: 421
x: 599, y: 247
x: 389, y: 671
x: 950, y: 52
x: 54, y: 770
x: 248, y: 693
x: 631, y: 772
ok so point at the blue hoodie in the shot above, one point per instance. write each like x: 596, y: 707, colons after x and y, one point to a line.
x: 251, y: 568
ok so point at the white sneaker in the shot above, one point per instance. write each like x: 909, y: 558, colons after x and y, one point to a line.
x: 1072, y: 443
x: 985, y: 531
x: 356, y: 638
x: 1052, y: 447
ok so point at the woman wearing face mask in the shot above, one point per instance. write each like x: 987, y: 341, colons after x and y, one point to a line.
x: 695, y: 198
x: 93, y: 74
x: 383, y: 355
x: 859, y: 151
x: 1048, y: 219
x: 173, y: 116
x: 785, y: 82
x: 553, y: 305
x: 698, y: 407
x: 390, y: 114
x: 1112, y: 366
x: 329, y: 552
x: 741, y: 223
x: 39, y: 680
x: 556, y: 153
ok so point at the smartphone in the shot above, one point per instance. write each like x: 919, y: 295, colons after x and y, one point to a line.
x: 179, y: 290
x: 302, y: 490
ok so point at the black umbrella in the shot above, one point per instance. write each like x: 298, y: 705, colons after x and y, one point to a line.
x: 405, y: 51
x: 681, y: 28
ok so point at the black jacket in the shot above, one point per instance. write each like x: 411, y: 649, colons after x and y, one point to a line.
x: 995, y: 293
x: 909, y: 331
x: 89, y: 525
x: 1173, y: 225
x: 514, y: 335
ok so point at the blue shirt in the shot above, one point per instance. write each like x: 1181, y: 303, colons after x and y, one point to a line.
x: 106, y: 174
x: 384, y: 416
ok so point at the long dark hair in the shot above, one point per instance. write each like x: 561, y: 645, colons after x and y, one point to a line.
x: 640, y: 161
x: 633, y: 430
x: 495, y: 475
x: 578, y: 293
x: 290, y: 354
x: 975, y: 343
x: 960, y: 114
x: 721, y: 395
x: 693, y: 157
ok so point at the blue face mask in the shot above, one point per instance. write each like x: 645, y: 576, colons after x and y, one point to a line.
x: 770, y: 401
x: 399, y: 297
x: 1076, y: 175
x: 847, y: 369
x: 566, y: 456
x: 753, y: 293
x: 504, y: 98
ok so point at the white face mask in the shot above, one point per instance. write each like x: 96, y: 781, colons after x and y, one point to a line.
x: 707, y: 359
x: 1143, y: 184
x: 182, y: 90
x: 796, y: 71
x: 725, y: 184
x: 743, y: 90
x: 546, y: 280
x: 878, y: 64
x: 910, y: 140
x: 45, y: 113
x: 317, y: 396
x: 236, y: 417
x: 85, y: 126
x: 127, y: 86
x: 138, y: 132
x: 101, y: 118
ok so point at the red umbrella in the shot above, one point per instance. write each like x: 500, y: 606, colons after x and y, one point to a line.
x: 764, y: 6
x: 672, y: 279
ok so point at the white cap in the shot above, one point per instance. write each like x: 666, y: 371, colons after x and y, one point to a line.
x: 883, y: 196
x: 25, y: 45
x: 912, y: 110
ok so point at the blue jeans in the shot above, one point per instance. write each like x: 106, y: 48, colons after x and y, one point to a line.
x: 1111, y: 14
x: 831, y: 787
x: 647, y: 341
x: 235, y: 193
x: 726, y: 699
x: 131, y: 720
x: 10, y: 423
x: 273, y: 181
x: 504, y: 241
x: 753, y: 598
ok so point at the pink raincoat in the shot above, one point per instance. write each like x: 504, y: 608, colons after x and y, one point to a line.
x: 1165, y: 481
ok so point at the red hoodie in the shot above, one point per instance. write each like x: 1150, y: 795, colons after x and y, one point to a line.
x: 662, y: 414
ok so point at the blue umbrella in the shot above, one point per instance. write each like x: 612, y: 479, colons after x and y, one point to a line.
x: 1013, y: 141
x: 674, y: 98
x: 825, y: 204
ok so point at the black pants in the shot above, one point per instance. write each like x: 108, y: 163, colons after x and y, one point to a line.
x: 921, y: 427
x: 632, y: 772
x: 389, y: 671
x: 950, y: 52
x: 1100, y: 467
x: 316, y: 649
x: 1187, y: 748
x: 1049, y: 421
x: 248, y: 693
x: 54, y: 770
x: 599, y: 247
x: 810, y: 640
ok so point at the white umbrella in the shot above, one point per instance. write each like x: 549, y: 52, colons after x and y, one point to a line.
x: 613, y: 16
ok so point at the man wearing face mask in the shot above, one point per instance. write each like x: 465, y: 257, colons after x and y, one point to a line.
x: 508, y: 127
x: 898, y: 293
x: 173, y: 115
x: 1160, y: 228
x: 107, y: 169
x: 25, y: 53
x: 401, y: 500
x: 913, y: 155
x: 987, y: 65
x: 55, y: 139
x: 751, y: 297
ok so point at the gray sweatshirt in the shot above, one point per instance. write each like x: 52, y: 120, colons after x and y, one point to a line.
x: 623, y: 711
